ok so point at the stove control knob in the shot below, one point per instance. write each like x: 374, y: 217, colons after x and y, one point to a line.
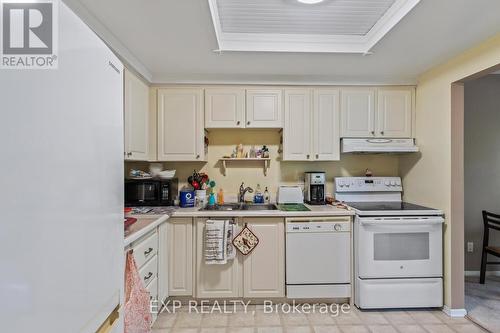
x: 337, y: 227
x: 393, y: 183
x: 398, y: 183
x: 387, y: 183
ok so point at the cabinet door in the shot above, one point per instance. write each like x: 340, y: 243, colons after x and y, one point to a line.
x: 264, y: 267
x: 326, y: 125
x: 297, y: 129
x: 163, y: 261
x: 180, y: 125
x: 215, y: 281
x: 395, y: 113
x: 180, y: 255
x: 358, y: 113
x: 224, y: 108
x: 264, y: 108
x: 136, y: 118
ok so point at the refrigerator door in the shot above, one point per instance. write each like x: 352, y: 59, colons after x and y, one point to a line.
x: 61, y: 194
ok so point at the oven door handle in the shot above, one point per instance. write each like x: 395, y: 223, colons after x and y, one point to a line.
x: 402, y: 222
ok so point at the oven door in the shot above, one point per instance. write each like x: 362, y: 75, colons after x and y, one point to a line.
x: 391, y: 247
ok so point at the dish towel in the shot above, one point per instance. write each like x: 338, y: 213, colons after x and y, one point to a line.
x: 218, y: 241
x: 137, y: 316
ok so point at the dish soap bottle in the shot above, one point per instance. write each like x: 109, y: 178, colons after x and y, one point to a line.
x: 267, y: 198
x: 258, y: 197
x: 220, y: 197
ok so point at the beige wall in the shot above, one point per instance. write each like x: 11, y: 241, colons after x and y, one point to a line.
x: 482, y: 162
x: 222, y: 142
x: 427, y: 178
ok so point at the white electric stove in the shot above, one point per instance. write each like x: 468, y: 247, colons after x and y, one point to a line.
x: 397, y: 245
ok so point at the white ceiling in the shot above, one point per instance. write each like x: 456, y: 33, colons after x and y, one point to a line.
x: 173, y: 41
x: 331, y: 26
x: 341, y: 17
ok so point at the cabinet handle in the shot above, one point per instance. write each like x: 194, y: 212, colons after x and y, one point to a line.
x: 382, y: 132
x: 307, y: 156
x: 238, y: 122
x: 373, y: 132
x: 317, y: 155
x: 248, y: 123
x: 148, y: 251
x: 148, y: 276
x: 197, y: 156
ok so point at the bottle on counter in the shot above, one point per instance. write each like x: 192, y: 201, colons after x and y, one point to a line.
x: 220, y: 197
x: 267, y: 198
x: 258, y: 197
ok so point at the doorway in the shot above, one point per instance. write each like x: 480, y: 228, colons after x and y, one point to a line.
x: 481, y: 174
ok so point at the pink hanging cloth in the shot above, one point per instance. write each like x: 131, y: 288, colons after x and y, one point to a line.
x: 137, y: 315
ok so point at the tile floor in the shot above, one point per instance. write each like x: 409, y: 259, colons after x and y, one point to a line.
x: 256, y: 321
x: 482, y: 301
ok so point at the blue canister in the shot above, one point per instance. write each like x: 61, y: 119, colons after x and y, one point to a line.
x: 187, y: 198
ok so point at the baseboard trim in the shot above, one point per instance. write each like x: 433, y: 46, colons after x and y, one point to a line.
x: 476, y: 273
x: 454, y: 313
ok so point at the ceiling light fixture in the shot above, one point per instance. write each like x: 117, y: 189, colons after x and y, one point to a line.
x: 310, y: 2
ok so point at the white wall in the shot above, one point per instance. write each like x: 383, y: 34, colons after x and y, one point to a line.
x: 482, y: 162
x: 222, y: 142
x: 427, y: 179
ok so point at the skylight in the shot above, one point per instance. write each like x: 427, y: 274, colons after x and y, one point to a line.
x: 335, y: 26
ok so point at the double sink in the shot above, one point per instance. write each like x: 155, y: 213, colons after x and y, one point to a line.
x: 241, y: 206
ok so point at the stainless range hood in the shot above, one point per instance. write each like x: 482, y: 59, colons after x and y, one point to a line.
x: 379, y: 146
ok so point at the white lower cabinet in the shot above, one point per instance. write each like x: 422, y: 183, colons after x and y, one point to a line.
x: 180, y: 256
x: 150, y: 257
x: 257, y: 275
x: 264, y: 267
x: 215, y: 281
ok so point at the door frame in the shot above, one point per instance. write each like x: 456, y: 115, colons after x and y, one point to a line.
x: 457, y: 227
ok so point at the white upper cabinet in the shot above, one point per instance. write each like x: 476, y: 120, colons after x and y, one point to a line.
x: 224, y: 108
x: 136, y: 118
x: 394, y: 112
x: 264, y: 108
x: 326, y: 125
x: 358, y: 112
x: 311, y: 129
x: 180, y: 124
x: 297, y: 127
x: 377, y: 113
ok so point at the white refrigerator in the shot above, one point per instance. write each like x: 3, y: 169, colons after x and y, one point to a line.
x: 61, y: 187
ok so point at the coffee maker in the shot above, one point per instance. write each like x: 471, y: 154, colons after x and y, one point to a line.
x: 315, y: 188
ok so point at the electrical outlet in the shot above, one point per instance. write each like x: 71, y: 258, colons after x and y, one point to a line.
x: 470, y: 247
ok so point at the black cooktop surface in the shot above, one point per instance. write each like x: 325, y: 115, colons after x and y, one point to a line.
x: 386, y: 206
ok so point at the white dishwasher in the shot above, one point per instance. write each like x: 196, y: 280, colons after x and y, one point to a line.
x: 318, y: 257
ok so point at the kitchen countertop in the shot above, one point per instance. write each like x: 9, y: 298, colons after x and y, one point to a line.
x: 324, y: 210
x: 147, y: 222
x: 144, y: 224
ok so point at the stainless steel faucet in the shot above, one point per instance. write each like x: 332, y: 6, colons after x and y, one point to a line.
x: 243, y: 190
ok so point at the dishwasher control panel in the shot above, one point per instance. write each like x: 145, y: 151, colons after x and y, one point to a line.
x: 318, y: 226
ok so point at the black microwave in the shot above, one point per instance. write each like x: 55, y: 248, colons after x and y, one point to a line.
x: 150, y: 192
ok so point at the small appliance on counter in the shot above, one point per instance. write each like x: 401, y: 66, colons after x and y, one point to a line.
x: 150, y: 192
x: 289, y: 195
x: 291, y: 198
x: 315, y: 188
